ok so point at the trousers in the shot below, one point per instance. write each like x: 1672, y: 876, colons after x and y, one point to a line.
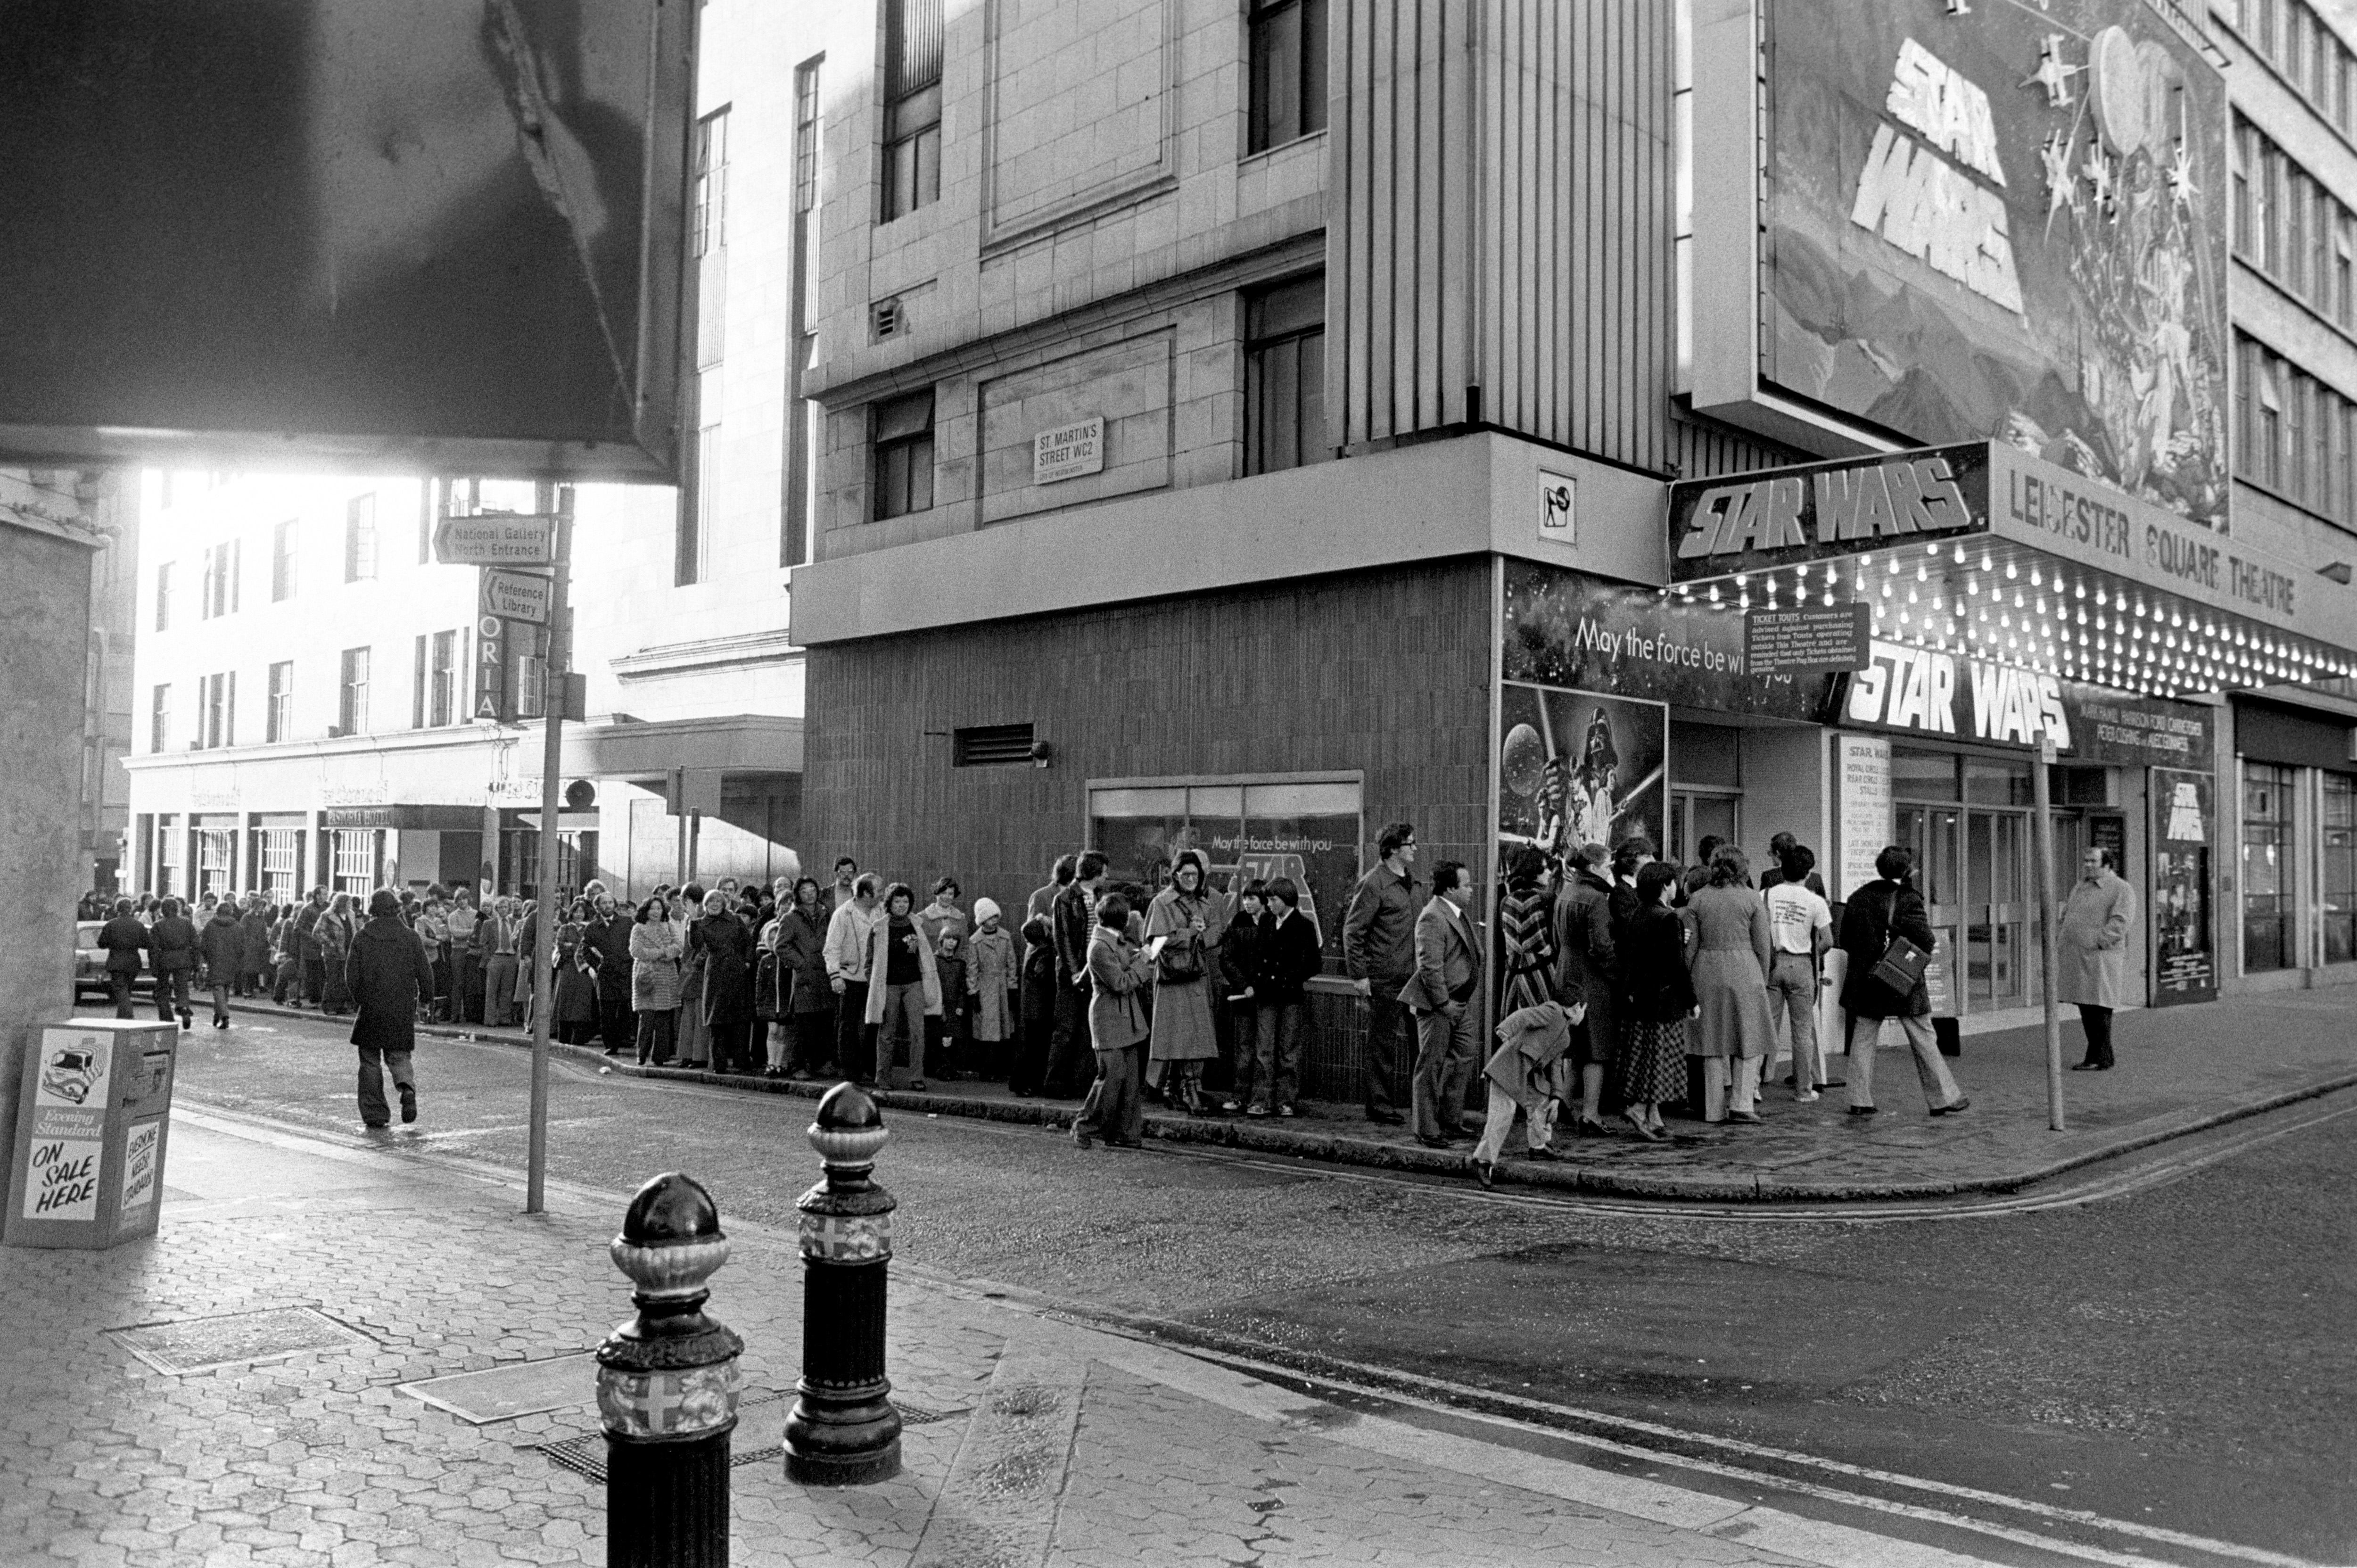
x: 1792, y: 992
x: 1729, y: 1086
x: 851, y: 1053
x: 2097, y: 1021
x: 1444, y: 1061
x: 375, y: 1112
x: 1391, y: 1051
x: 498, y: 988
x: 1273, y: 1031
x: 1539, y: 1126
x: 1932, y: 1068
x: 1113, y: 1110
x: 903, y: 1020
x: 1068, y: 1046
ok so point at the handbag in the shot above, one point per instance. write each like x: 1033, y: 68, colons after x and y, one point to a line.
x: 1900, y: 968
x: 1179, y: 961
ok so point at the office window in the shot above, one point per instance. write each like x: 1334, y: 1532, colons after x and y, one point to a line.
x: 2266, y: 446
x: 1285, y: 376
x: 2338, y: 913
x: 278, y: 723
x: 164, y: 596
x: 2267, y: 40
x: 691, y: 548
x: 442, y: 679
x: 801, y: 413
x: 353, y: 697
x: 2298, y: 397
x: 159, y: 720
x: 217, y: 711
x: 284, y: 541
x: 1288, y: 72
x: 2341, y: 302
x: 2269, y: 215
x: 2295, y: 209
x: 912, y: 105
x: 417, y: 684
x: 2245, y: 153
x: 218, y: 593
x: 709, y: 234
x: 360, y: 538
x: 904, y: 455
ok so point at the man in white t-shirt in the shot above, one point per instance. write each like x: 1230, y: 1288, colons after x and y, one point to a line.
x: 1800, y: 925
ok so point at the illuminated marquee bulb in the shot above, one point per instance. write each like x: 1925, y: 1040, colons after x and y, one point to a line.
x: 1742, y: 579
x: 1960, y: 554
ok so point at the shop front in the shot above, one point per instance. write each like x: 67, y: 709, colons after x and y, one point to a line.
x: 2295, y: 800
x: 1993, y: 602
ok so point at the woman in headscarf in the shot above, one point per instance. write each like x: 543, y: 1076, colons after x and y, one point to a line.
x: 695, y: 1041
x: 574, y: 1021
x: 1184, y: 926
x: 801, y: 952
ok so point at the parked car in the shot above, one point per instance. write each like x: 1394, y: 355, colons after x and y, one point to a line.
x: 89, y: 965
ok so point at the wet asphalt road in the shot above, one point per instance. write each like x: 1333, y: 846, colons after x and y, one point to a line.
x: 2184, y: 1356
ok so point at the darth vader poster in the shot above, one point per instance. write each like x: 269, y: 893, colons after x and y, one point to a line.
x: 1579, y: 767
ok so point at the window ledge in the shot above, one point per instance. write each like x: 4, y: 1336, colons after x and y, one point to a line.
x: 1269, y: 152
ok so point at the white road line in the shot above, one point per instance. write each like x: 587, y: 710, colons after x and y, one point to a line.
x: 1379, y: 1375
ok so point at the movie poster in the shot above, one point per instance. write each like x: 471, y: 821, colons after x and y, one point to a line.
x: 1579, y: 767
x: 2184, y: 956
x: 2004, y: 221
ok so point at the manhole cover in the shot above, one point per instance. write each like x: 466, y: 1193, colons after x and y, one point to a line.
x: 520, y: 1388
x: 236, y: 1339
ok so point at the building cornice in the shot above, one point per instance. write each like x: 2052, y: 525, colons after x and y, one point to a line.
x: 770, y: 646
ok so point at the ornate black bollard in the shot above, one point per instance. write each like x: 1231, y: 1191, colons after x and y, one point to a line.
x: 667, y: 1384
x: 843, y: 1430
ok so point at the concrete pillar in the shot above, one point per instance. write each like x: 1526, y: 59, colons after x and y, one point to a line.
x: 45, y: 608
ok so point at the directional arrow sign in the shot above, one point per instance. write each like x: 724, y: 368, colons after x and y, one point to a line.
x: 497, y: 539
x: 516, y: 595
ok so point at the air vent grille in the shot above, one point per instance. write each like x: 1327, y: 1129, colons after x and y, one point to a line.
x: 887, y: 319
x: 992, y: 746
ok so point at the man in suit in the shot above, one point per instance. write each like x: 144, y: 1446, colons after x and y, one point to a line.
x: 1882, y: 910
x: 1440, y: 995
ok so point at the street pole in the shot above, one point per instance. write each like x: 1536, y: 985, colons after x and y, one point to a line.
x: 2041, y: 801
x: 544, y: 939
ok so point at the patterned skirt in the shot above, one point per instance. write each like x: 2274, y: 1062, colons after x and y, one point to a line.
x: 1654, y: 1062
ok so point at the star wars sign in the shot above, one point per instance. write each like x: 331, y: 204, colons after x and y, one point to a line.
x: 1748, y: 521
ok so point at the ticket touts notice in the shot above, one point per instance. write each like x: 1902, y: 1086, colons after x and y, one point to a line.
x: 69, y: 1142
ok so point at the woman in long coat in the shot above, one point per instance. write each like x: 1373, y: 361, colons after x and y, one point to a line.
x: 1189, y: 924
x: 654, y: 981
x: 991, y: 980
x: 726, y: 997
x: 1657, y: 998
x: 1526, y: 933
x: 802, y: 951
x: 575, y: 1019
x: 333, y: 932
x: 1733, y: 945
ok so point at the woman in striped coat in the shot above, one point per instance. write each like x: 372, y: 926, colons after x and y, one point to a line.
x: 1526, y: 933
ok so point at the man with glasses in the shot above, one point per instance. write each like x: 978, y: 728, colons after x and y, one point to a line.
x: 1379, y: 950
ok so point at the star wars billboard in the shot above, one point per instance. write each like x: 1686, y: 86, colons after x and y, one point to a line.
x: 2002, y: 221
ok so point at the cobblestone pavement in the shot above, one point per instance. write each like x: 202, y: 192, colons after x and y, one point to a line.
x: 1038, y: 1441
x: 2182, y: 1070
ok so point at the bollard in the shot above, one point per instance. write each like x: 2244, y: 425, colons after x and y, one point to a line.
x: 842, y: 1430
x: 667, y: 1382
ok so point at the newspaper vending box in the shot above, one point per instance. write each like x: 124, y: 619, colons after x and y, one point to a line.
x: 90, y: 1129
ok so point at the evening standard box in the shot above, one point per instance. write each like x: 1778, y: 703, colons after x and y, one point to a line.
x: 91, y: 1129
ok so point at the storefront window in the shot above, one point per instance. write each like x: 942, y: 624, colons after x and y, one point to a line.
x: 1988, y: 782
x: 2267, y: 869
x: 1918, y: 775
x: 2339, y: 850
x: 352, y: 853
x: 1307, y: 830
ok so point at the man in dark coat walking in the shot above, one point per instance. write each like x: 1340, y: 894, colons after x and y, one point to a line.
x: 1884, y: 909
x: 388, y: 973
x: 125, y: 941
x: 172, y: 950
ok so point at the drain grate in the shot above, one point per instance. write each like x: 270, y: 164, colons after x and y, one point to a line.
x: 236, y: 1339
x: 585, y: 1457
x: 519, y: 1387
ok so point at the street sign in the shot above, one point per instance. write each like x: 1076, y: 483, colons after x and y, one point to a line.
x: 1838, y: 639
x: 490, y: 670
x: 515, y: 596
x: 497, y: 539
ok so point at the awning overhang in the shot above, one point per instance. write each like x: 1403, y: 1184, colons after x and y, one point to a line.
x: 1984, y: 550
